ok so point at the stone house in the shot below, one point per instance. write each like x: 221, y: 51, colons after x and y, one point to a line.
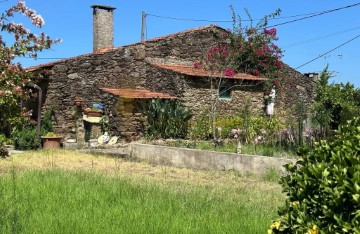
x: 124, y: 78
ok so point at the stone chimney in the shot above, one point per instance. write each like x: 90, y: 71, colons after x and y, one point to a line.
x: 103, y: 27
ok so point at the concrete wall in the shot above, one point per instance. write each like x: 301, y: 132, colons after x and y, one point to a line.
x: 206, y: 160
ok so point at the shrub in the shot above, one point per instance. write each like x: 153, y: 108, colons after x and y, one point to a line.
x: 46, y: 122
x: 201, y: 128
x: 167, y: 119
x: 323, y: 188
x: 227, y: 124
x: 4, y: 152
x: 26, y: 139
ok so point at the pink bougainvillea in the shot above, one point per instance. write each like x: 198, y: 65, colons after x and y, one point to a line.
x: 249, y: 50
x: 197, y: 64
x: 229, y: 72
x: 271, y: 32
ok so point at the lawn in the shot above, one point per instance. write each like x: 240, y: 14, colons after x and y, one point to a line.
x: 69, y: 192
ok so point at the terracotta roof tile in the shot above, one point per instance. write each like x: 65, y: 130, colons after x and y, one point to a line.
x: 137, y: 93
x: 192, y: 71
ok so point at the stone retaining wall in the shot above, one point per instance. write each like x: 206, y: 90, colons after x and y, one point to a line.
x: 206, y: 160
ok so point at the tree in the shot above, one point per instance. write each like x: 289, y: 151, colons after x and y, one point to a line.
x: 13, y: 77
x: 334, y: 103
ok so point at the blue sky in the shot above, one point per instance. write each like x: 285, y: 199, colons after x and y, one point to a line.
x: 71, y: 21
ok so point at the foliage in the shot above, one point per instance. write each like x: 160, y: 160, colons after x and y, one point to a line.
x: 227, y: 124
x: 4, y: 140
x: 250, y: 49
x: 46, y: 122
x: 323, y: 189
x: 104, y: 122
x: 51, y: 134
x: 17, y: 41
x: 201, y: 127
x: 246, y: 49
x: 4, y: 152
x: 26, y: 138
x: 334, y: 103
x: 167, y: 118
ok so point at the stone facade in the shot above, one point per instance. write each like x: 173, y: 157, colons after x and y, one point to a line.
x: 132, y: 67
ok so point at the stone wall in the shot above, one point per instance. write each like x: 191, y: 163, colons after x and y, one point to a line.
x: 131, y: 67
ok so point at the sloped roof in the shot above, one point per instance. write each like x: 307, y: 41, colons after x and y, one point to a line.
x: 192, y: 71
x: 106, y: 50
x: 137, y: 93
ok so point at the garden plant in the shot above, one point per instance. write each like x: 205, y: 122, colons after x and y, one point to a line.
x: 323, y: 188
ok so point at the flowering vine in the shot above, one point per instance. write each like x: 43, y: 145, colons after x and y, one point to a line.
x: 250, y: 50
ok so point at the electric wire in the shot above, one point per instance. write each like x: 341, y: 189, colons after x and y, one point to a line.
x: 311, y: 16
x: 306, y: 16
x: 320, y: 37
x: 329, y: 51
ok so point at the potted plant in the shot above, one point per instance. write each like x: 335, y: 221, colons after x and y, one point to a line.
x: 91, y: 112
x: 51, y: 140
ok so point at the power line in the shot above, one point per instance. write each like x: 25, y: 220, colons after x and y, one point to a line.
x: 227, y: 21
x: 187, y: 19
x: 320, y: 37
x: 318, y: 14
x: 329, y: 51
x: 307, y: 15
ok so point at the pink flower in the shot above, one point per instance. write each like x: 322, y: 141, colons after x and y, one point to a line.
x: 255, y: 73
x: 270, y: 32
x: 279, y: 64
x: 229, y: 72
x: 197, y: 64
x: 260, y: 53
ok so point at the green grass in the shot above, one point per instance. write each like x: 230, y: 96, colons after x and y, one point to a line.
x: 59, y: 201
x: 231, y: 147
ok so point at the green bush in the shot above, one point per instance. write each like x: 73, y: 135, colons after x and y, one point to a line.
x: 227, y: 124
x: 46, y: 122
x: 201, y: 127
x: 323, y: 188
x: 26, y: 139
x: 167, y: 118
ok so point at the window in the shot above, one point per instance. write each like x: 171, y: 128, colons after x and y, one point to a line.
x: 224, y: 92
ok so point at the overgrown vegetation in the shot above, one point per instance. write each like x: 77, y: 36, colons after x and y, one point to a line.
x: 323, y: 188
x: 334, y: 103
x: 26, y: 138
x: 232, y: 146
x: 256, y: 132
x: 167, y: 118
x: 109, y: 195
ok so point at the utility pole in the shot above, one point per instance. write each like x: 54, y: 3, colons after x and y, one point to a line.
x: 143, y: 23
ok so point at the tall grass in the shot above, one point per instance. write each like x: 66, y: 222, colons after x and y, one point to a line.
x: 59, y: 201
x: 232, y: 147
